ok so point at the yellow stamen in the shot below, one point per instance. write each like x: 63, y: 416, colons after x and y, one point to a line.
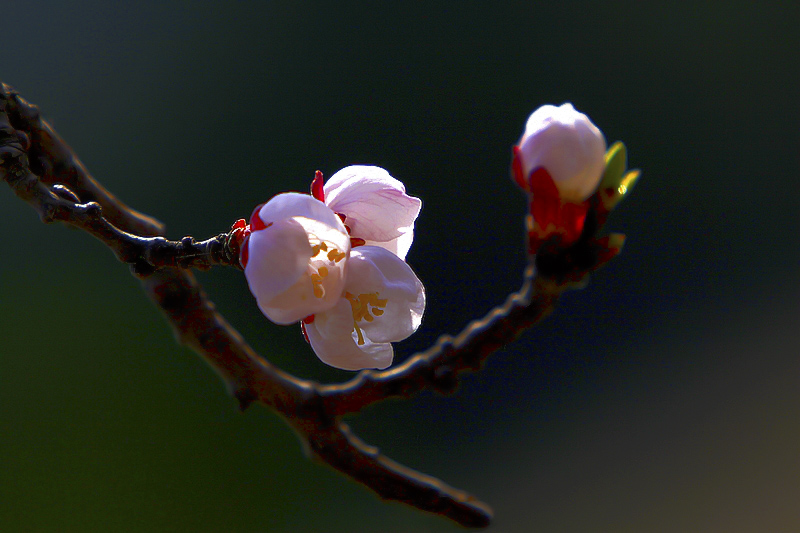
x: 358, y: 333
x: 316, y: 281
x: 360, y: 306
x: 336, y: 256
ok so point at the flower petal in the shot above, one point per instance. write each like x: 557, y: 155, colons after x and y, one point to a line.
x: 297, y: 260
x: 399, y: 246
x: 568, y: 145
x: 308, y: 296
x: 376, y: 206
x: 373, y: 270
x: 279, y: 257
x: 295, y: 204
x: 332, y: 338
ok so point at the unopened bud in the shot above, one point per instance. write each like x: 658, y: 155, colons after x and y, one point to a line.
x: 566, y: 144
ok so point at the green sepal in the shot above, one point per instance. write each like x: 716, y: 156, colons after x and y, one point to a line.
x: 616, y: 183
x: 616, y: 163
x: 629, y: 180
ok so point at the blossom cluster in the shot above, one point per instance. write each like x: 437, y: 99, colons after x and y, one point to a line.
x: 334, y: 261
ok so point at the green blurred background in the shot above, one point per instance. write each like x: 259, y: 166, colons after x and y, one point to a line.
x: 663, y: 397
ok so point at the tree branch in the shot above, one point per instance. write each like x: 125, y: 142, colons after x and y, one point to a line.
x: 53, y: 161
x: 44, y: 172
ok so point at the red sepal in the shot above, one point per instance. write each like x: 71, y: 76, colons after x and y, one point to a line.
x: 256, y: 223
x: 517, y: 172
x: 239, y: 231
x: 552, y: 216
x: 244, y: 251
x: 316, y: 186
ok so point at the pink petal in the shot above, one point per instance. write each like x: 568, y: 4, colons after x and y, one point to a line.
x: 331, y: 337
x: 568, y: 145
x: 295, y: 204
x: 376, y: 205
x: 278, y: 258
x: 375, y: 270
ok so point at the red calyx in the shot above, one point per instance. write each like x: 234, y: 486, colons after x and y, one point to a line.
x: 316, y: 186
x: 244, y: 253
x: 343, y: 217
x: 517, y: 172
x: 239, y: 231
x: 237, y: 240
x: 256, y: 223
x: 550, y: 214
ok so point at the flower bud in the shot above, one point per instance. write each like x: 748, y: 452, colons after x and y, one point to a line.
x: 566, y: 144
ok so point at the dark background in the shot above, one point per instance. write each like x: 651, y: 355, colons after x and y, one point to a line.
x: 663, y: 397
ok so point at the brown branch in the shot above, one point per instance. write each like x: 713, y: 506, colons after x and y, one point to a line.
x: 43, y: 171
x: 53, y: 161
x: 145, y: 254
x: 338, y: 447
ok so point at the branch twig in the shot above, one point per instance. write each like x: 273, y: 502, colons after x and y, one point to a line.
x: 44, y: 172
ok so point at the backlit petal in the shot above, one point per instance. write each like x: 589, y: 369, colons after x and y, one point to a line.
x: 297, y: 260
x: 331, y: 336
x: 375, y: 204
x: 279, y: 257
x: 375, y: 270
x: 399, y: 246
x: 300, y: 300
x: 568, y: 145
x: 295, y: 204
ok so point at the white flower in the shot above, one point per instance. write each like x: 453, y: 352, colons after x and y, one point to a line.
x: 353, y: 303
x: 383, y: 302
x: 568, y: 145
x: 375, y: 205
x: 295, y: 257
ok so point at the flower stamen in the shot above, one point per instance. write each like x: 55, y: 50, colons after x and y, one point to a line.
x: 362, y: 306
x: 315, y: 250
x: 336, y: 255
x: 316, y: 281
